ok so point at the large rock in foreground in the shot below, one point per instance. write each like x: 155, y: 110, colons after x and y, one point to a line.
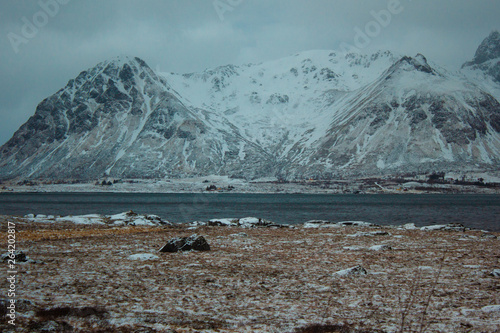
x: 194, y: 242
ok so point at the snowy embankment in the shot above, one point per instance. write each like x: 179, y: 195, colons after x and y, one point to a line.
x: 224, y: 184
x: 131, y: 218
x: 126, y: 218
x: 256, y: 277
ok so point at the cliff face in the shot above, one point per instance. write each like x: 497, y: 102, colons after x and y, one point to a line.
x: 487, y: 57
x: 119, y: 119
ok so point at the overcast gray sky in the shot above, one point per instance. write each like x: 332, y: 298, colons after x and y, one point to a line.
x: 191, y: 35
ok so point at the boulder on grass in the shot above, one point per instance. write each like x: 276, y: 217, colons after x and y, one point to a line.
x: 194, y: 242
x: 18, y: 256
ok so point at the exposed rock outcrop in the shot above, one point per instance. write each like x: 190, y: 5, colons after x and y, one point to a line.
x: 194, y: 242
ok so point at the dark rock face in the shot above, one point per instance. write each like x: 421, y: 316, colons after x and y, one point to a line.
x: 489, y: 49
x: 328, y: 74
x: 419, y: 63
x: 194, y: 242
x: 422, y: 130
x: 120, y: 119
x: 487, y: 57
x: 277, y: 99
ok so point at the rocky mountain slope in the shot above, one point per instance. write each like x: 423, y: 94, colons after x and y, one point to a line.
x: 315, y: 114
x: 487, y: 57
x: 121, y: 119
x: 412, y: 118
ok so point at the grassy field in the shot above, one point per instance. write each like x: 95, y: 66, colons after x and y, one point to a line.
x: 83, y: 278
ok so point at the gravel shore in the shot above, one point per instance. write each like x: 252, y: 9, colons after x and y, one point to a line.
x: 108, y: 278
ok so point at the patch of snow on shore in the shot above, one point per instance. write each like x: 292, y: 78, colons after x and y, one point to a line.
x: 126, y: 218
x: 353, y: 271
x: 143, y: 256
x: 82, y: 219
x: 491, y: 309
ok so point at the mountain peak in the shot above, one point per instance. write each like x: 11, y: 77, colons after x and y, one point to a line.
x: 120, y: 68
x: 489, y: 49
x: 419, y: 63
x: 487, y: 57
x: 121, y: 60
x: 124, y: 62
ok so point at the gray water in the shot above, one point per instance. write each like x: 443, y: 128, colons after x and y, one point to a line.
x: 474, y: 211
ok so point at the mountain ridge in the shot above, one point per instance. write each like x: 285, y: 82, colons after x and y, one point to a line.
x: 487, y: 57
x: 316, y: 114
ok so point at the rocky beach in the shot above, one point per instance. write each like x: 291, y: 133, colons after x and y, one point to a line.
x: 105, y: 274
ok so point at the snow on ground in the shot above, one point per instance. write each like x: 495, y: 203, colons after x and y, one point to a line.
x: 329, y: 224
x: 143, y: 256
x: 81, y: 219
x: 246, y: 222
x: 126, y: 218
x: 85, y: 277
x: 267, y: 185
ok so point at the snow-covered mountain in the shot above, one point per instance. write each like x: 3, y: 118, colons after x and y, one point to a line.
x: 412, y: 118
x: 277, y: 104
x: 487, y: 57
x: 121, y: 119
x: 484, y: 68
x: 315, y: 114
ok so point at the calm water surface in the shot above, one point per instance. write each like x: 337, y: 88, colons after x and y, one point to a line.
x: 475, y: 211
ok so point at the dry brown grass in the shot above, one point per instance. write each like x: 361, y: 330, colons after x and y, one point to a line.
x: 267, y: 281
x: 71, y: 233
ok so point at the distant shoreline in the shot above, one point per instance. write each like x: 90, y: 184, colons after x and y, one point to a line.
x: 217, y: 184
